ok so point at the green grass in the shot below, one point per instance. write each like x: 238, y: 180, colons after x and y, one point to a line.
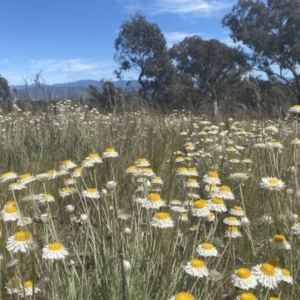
x: 39, y: 142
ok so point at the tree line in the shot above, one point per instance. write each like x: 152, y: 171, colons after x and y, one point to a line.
x: 196, y: 72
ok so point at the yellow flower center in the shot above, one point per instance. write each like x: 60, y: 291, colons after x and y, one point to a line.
x: 197, y: 263
x: 233, y: 229
x: 25, y: 176
x: 182, y: 169
x: 78, y: 170
x: 285, y: 272
x: 162, y: 215
x: 110, y: 150
x: 192, y: 169
x: 235, y: 160
x: 267, y: 269
x: 6, y: 174
x: 297, y: 106
x: 217, y: 200
x: 225, y: 188
x: 243, y: 273
x: 236, y: 207
x: 200, y: 204
x: 274, y: 298
x: 66, y: 162
x: 211, y: 214
x: 67, y: 189
x: 22, y: 236
x: 157, y: 177
x: 183, y: 215
x: 10, y: 203
x: 154, y: 197
x: 46, y: 196
x: 279, y: 238
x: 247, y: 296
x: 52, y: 172
x: 93, y: 155
x: 91, y: 191
x: 232, y: 219
x: 132, y: 168
x: 28, y: 284
x: 184, y: 296
x: 11, y: 209
x: 273, y: 181
x: 192, y: 180
x: 213, y: 174
x: 207, y: 246
x: 55, y: 246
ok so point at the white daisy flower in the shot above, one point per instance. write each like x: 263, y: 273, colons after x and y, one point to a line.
x: 207, y: 250
x: 212, y: 177
x: 16, y: 186
x: 224, y: 192
x: 67, y: 164
x: 91, y: 193
x: 183, y: 296
x: 26, y: 178
x: 246, y: 296
x: 272, y: 184
x: 153, y: 201
x: 10, y: 213
x: 66, y: 191
x: 21, y: 241
x: 244, y: 279
x: 7, y: 176
x: 196, y: 268
x: 266, y: 275
x: 192, y: 183
x: 232, y: 221
x: 162, y: 220
x: 237, y: 211
x: 239, y: 177
x: 295, y: 109
x: 233, y: 232
x: 279, y: 242
x: 200, y: 208
x: 217, y: 204
x: 110, y: 152
x: 94, y: 158
x: 28, y: 289
x: 54, y: 251
x: 286, y: 276
x: 142, y: 162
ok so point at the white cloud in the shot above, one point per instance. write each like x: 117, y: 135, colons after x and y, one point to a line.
x: 71, y: 65
x: 59, y: 70
x: 175, y: 37
x: 181, y: 7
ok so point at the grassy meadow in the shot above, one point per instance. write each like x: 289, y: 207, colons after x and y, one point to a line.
x: 143, y: 206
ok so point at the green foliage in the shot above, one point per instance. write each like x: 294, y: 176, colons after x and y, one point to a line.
x: 272, y: 31
x: 141, y: 47
x: 211, y: 65
x: 4, y: 89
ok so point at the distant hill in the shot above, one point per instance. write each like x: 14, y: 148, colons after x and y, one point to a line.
x: 67, y: 90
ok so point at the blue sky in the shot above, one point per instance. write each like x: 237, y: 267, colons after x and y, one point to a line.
x: 69, y: 40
